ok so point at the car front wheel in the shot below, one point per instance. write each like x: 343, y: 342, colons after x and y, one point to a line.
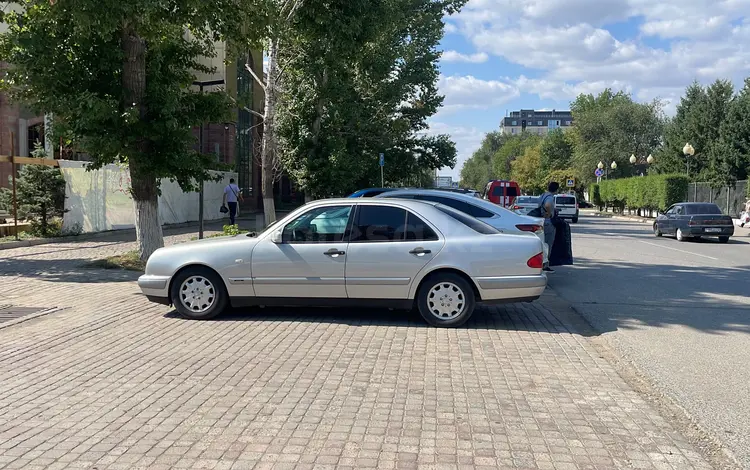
x: 198, y: 293
x: 446, y: 300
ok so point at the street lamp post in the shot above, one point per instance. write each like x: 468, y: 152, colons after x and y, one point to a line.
x: 647, y: 160
x: 200, y: 150
x: 602, y: 166
x: 689, y: 151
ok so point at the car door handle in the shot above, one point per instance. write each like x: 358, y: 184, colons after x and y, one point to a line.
x: 419, y: 251
x: 334, y: 253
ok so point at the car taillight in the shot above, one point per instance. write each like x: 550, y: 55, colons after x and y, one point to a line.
x: 693, y: 222
x: 529, y: 227
x: 516, y: 207
x: 536, y: 261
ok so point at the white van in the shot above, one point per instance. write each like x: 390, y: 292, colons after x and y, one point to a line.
x: 567, y: 206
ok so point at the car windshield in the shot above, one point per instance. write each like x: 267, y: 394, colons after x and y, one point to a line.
x: 565, y: 200
x: 702, y: 209
x: 527, y: 200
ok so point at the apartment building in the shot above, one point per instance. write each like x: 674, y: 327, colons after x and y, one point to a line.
x: 536, y: 122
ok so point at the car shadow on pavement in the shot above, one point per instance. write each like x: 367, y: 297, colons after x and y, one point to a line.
x: 69, y: 270
x: 543, y: 315
x: 621, y: 295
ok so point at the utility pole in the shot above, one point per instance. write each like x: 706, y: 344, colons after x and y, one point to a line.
x: 382, y: 164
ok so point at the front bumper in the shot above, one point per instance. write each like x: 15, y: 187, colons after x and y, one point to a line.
x: 511, y: 287
x: 154, y: 286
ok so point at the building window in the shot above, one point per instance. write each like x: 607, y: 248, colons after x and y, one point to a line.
x: 539, y: 123
x: 514, y: 123
x: 568, y: 122
x: 512, y: 131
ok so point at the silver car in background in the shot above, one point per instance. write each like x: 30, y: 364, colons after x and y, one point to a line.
x: 365, y: 252
x: 524, y: 204
x: 499, y: 217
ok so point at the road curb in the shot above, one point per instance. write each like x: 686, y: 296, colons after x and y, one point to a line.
x: 607, y: 215
x: 710, y: 447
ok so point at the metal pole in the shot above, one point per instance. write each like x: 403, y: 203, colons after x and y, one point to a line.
x: 200, y: 192
x: 13, y: 178
x: 382, y: 184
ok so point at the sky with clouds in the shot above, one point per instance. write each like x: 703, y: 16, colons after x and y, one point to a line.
x: 540, y: 54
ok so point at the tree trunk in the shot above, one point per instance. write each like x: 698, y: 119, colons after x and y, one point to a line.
x: 144, y: 188
x: 268, y: 152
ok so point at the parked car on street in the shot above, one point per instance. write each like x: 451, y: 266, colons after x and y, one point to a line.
x: 524, y: 204
x: 690, y: 220
x: 502, y: 219
x: 567, y: 207
x: 392, y: 253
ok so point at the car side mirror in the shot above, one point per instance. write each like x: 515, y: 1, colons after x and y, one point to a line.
x: 277, y: 237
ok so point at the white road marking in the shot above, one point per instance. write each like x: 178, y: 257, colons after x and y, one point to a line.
x: 677, y: 249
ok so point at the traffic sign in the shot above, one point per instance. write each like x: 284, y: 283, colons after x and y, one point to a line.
x: 599, y: 173
x: 571, y: 182
x: 382, y: 160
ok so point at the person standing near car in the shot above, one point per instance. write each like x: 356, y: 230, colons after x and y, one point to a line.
x: 547, y: 206
x: 231, y: 197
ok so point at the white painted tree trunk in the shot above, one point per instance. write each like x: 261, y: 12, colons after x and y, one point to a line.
x: 268, y: 153
x: 148, y: 230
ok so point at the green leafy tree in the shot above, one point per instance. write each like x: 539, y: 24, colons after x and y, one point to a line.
x: 40, y: 192
x: 117, y: 76
x: 527, y: 170
x: 477, y: 170
x: 612, y: 127
x: 556, y: 151
x: 512, y: 148
x: 730, y: 157
x: 368, y: 89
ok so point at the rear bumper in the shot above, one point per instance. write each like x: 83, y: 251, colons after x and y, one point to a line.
x: 568, y: 215
x: 511, y: 287
x: 701, y: 231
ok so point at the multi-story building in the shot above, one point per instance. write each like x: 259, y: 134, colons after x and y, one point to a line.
x: 536, y: 122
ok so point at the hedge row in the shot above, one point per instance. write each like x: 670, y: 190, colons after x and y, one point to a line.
x: 656, y: 192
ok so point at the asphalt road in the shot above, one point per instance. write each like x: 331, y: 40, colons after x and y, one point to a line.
x: 679, y: 311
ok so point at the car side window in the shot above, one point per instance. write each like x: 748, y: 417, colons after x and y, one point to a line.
x: 320, y: 225
x: 379, y: 224
x: 464, y: 207
x: 418, y: 230
x: 679, y: 210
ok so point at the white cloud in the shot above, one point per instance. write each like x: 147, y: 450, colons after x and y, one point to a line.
x: 450, y: 28
x: 453, y: 56
x: 467, y: 92
x: 467, y: 139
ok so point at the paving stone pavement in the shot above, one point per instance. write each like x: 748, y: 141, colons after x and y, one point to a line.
x: 113, y: 382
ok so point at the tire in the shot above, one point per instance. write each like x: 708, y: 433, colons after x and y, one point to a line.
x: 680, y: 237
x: 657, y: 232
x: 457, y: 293
x: 724, y: 239
x: 575, y: 220
x: 207, y: 284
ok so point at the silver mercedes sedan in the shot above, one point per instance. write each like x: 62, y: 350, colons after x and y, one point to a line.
x: 361, y: 252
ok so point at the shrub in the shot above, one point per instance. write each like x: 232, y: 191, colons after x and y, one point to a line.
x: 595, y: 196
x: 654, y: 192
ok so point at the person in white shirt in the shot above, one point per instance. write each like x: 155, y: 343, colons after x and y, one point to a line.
x: 232, y: 196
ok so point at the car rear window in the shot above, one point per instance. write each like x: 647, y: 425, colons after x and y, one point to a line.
x: 565, y: 200
x: 702, y: 209
x: 471, y: 222
x: 527, y: 200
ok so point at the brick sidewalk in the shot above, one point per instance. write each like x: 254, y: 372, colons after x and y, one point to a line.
x: 115, y: 382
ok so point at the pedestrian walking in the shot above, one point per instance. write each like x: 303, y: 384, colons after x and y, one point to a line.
x: 547, y: 206
x: 232, y: 196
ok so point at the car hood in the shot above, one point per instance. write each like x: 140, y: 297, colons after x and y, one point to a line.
x: 206, y: 244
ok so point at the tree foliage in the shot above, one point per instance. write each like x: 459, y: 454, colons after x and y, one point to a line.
x: 40, y: 193
x: 477, y: 170
x: 527, y: 170
x: 368, y: 89
x: 117, y: 77
x: 556, y: 150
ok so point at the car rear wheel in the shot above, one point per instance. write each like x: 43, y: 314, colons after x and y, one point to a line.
x: 198, y: 293
x: 446, y: 300
x: 575, y: 220
x: 723, y: 239
x: 657, y: 232
x: 680, y: 236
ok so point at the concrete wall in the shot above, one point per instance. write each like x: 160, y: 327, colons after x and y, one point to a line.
x: 100, y: 200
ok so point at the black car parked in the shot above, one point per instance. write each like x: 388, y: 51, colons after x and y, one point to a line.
x: 688, y: 220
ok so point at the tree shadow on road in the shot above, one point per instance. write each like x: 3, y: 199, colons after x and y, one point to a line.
x: 69, y: 270
x: 621, y: 295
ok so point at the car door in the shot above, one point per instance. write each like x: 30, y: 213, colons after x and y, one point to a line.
x: 666, y: 223
x: 310, y: 259
x: 389, y: 246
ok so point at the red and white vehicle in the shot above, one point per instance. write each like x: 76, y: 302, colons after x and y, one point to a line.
x: 502, y: 193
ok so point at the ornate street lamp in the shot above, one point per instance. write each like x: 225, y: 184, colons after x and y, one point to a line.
x: 689, y: 151
x: 600, y: 166
x: 614, y: 165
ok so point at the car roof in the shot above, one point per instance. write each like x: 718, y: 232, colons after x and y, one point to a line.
x: 473, y: 200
